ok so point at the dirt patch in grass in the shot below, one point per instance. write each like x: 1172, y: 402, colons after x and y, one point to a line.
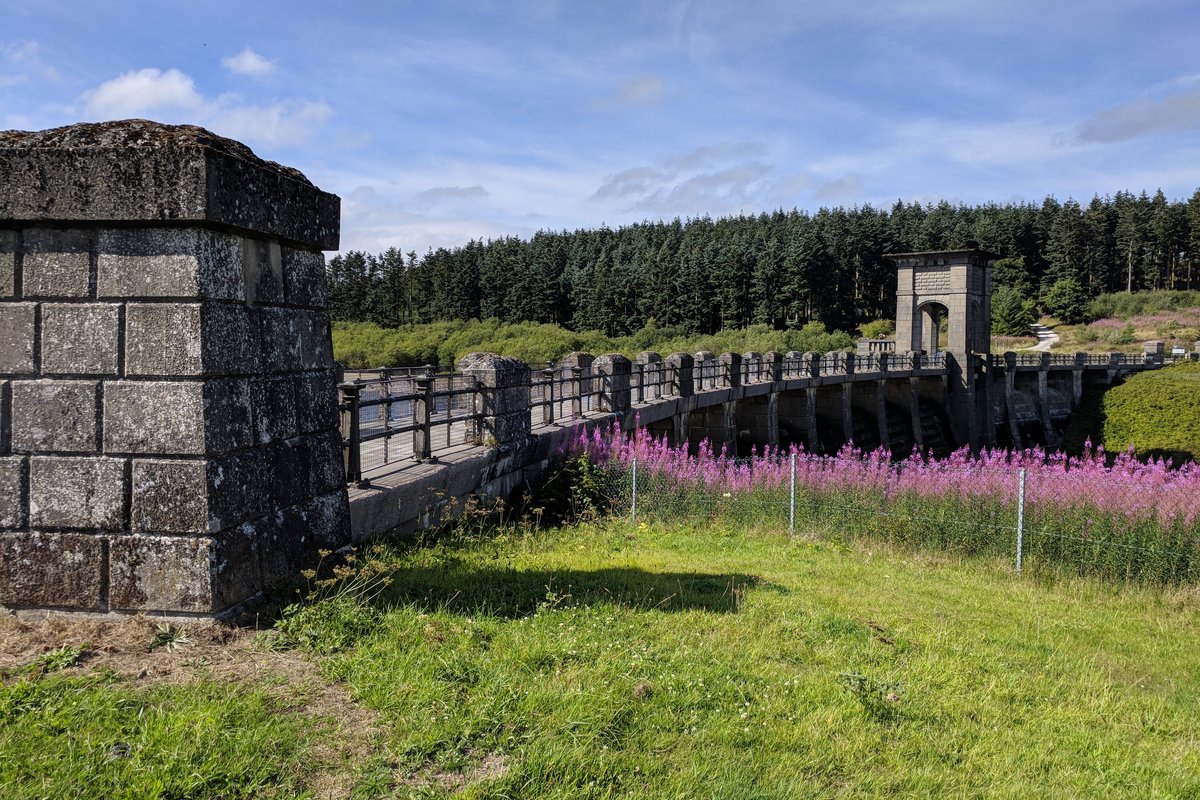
x: 145, y: 652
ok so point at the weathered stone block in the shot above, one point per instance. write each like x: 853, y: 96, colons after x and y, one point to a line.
x: 56, y: 262
x: 8, y: 263
x: 14, y: 472
x: 325, y: 463
x: 176, y: 417
x: 201, y: 496
x: 163, y: 339
x: 316, y: 340
x: 77, y: 492
x: 228, y: 416
x: 262, y: 268
x: 291, y: 539
x: 170, y: 497
x: 316, y: 402
x: 273, y: 401
x: 169, y: 262
x: 304, y: 278
x: 137, y: 170
x: 288, y: 471
x: 80, y: 338
x: 295, y: 339
x: 16, y: 338
x: 185, y: 339
x: 160, y: 417
x: 58, y: 416
x: 51, y: 570
x: 205, y: 574
x: 5, y: 416
x: 282, y: 339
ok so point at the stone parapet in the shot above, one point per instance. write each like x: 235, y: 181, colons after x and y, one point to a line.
x: 504, y: 391
x: 168, y: 421
x: 138, y: 171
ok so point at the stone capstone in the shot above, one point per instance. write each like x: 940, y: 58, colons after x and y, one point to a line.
x: 138, y: 171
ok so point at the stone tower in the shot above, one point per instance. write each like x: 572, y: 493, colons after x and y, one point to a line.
x: 953, y: 285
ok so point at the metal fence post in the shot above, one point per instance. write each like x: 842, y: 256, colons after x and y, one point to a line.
x: 633, y: 499
x: 577, y: 394
x: 548, y: 395
x: 792, y: 500
x: 423, y: 417
x: 1020, y: 518
x: 350, y: 428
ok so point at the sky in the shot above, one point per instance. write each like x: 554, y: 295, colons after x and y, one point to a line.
x: 443, y: 121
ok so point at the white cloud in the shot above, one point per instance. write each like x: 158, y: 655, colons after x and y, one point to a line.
x: 451, y: 194
x: 143, y: 91
x: 723, y: 178
x: 279, y: 123
x: 249, y: 63
x: 1143, y: 116
x: 641, y: 91
x: 171, y: 96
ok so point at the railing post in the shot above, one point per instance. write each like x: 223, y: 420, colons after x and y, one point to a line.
x: 639, y: 381
x: 613, y: 371
x: 423, y: 417
x: 352, y: 448
x: 548, y: 394
x: 576, y: 392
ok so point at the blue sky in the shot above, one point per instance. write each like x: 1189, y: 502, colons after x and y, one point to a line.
x: 439, y: 122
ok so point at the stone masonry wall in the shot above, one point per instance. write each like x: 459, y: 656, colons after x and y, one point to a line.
x: 168, y: 427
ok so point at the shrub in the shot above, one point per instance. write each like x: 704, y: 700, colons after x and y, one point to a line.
x: 1067, y: 300
x: 1156, y: 413
x: 878, y: 329
x: 1012, y: 314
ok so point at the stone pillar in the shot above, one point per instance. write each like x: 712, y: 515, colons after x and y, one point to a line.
x: 613, y: 371
x: 652, y: 375
x: 810, y: 365
x: 681, y: 383
x: 848, y: 410
x: 704, y: 366
x: 1043, y: 392
x: 504, y: 387
x: 172, y: 445
x: 752, y: 368
x: 731, y: 369
x: 1077, y: 379
x: 1010, y: 397
x: 914, y: 410
x: 881, y: 421
x: 578, y: 367
x: 810, y: 419
x: 774, y: 366
x: 680, y: 379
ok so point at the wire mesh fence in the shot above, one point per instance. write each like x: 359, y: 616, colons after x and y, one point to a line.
x: 1126, y: 522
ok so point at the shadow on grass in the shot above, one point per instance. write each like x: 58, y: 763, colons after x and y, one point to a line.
x: 513, y: 593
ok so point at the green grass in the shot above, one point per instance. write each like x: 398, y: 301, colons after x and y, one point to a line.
x: 93, y: 735
x: 711, y: 661
x: 1156, y: 412
x: 681, y: 660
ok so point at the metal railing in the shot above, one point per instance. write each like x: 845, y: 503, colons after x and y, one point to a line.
x: 403, y: 418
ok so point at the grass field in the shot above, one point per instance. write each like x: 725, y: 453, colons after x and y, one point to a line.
x: 681, y: 661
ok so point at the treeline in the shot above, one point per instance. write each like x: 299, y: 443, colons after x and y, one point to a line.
x: 782, y: 269
x: 363, y: 345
